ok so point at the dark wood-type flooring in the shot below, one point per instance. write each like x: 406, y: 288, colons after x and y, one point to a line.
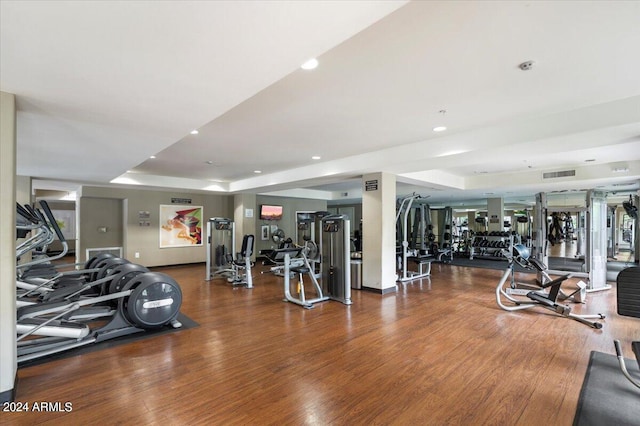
x: 439, y: 351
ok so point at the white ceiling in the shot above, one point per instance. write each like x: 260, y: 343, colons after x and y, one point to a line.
x: 102, y: 86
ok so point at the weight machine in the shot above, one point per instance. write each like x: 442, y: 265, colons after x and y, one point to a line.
x: 630, y: 227
x: 221, y: 242
x: 442, y: 246
x: 592, y: 224
x: 285, y: 256
x: 413, y: 245
x: 308, y: 230
x: 241, y: 264
x: 336, y: 257
x: 523, y: 227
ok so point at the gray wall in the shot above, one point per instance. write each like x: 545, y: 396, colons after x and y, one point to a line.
x: 117, y: 209
x: 100, y: 215
x: 98, y: 208
x: 288, y: 222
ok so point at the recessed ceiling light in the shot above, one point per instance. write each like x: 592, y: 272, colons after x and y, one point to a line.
x: 194, y: 132
x: 439, y: 129
x: 209, y: 162
x: 316, y: 157
x: 310, y: 64
x: 152, y: 157
x: 257, y: 171
x: 590, y: 160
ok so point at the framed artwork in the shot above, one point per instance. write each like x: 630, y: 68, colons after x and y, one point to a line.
x: 66, y: 220
x: 265, y: 232
x: 180, y: 225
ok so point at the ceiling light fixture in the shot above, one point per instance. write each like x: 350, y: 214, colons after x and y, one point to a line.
x: 310, y: 64
x: 526, y: 66
x: 590, y: 160
x: 620, y: 170
x: 316, y: 157
x: 194, y: 132
x: 209, y: 162
x: 152, y: 157
x: 442, y: 112
x: 257, y: 171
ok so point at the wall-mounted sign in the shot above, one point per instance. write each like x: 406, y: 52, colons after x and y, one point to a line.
x: 181, y: 201
x: 371, y: 185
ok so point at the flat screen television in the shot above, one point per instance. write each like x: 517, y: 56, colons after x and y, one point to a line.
x: 270, y: 212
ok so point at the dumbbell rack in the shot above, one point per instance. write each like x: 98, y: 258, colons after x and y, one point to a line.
x: 490, y: 246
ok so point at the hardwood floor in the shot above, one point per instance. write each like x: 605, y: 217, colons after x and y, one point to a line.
x: 439, y: 351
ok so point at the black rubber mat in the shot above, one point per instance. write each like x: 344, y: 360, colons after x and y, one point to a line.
x: 607, y: 397
x: 187, y: 323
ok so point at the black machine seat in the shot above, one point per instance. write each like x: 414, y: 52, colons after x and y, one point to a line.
x: 628, y: 283
x: 277, y: 256
x: 420, y: 260
x: 300, y: 269
x: 245, y: 251
x: 537, y: 264
x: 553, y: 292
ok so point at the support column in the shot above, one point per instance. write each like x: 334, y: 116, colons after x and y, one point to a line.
x: 471, y: 221
x: 495, y: 212
x: 379, y: 232
x: 244, y: 217
x: 8, y: 351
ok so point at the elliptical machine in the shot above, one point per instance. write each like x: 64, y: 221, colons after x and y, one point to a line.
x: 148, y: 300
x: 546, y: 297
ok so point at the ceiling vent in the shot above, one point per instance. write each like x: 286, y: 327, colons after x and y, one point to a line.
x: 563, y: 173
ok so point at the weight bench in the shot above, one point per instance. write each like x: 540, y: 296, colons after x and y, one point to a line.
x: 420, y: 261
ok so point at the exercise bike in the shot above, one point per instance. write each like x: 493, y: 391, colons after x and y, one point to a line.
x: 545, y: 297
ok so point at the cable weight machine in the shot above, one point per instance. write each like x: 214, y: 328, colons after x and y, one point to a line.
x: 221, y: 241
x: 336, y: 257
